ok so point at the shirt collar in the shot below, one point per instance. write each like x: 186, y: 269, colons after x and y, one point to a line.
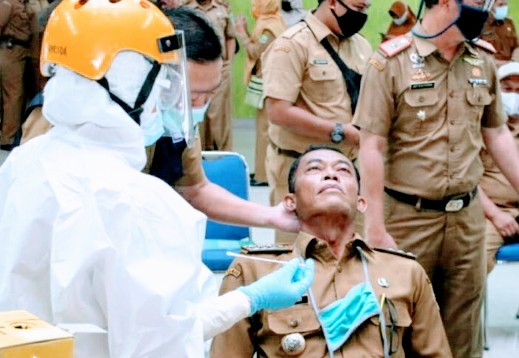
x: 319, y: 29
x: 310, y: 246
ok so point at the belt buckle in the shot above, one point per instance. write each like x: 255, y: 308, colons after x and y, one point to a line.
x: 454, y: 205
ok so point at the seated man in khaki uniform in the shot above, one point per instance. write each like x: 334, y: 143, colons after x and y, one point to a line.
x: 356, y: 288
x: 204, y: 70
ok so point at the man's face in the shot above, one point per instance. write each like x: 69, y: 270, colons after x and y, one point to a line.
x: 500, y: 3
x: 510, y: 84
x: 204, y: 79
x: 325, y: 182
x: 510, y: 97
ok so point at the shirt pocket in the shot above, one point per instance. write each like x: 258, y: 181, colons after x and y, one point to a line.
x: 477, y: 99
x: 296, y: 319
x: 398, y: 320
x: 421, y: 109
x: 322, y: 84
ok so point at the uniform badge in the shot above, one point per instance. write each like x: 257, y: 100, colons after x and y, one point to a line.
x: 478, y: 82
x: 416, y: 60
x: 263, y: 39
x: 281, y: 48
x: 376, y: 64
x: 476, y: 72
x: 473, y: 61
x: 293, y: 344
x: 383, y: 282
x: 420, y: 76
x: 421, y: 115
x: 233, y: 272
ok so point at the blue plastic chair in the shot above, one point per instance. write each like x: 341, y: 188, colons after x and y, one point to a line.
x: 508, y: 253
x: 229, y: 170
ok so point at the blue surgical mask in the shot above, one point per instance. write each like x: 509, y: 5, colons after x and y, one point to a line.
x: 340, y: 319
x: 152, y: 128
x: 172, y: 121
x: 500, y: 12
x: 198, y: 114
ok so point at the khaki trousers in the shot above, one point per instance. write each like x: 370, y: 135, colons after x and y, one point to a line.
x: 12, y: 65
x: 451, y: 248
x: 262, y: 125
x: 216, y: 130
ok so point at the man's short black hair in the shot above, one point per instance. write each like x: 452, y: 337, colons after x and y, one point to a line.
x: 430, y: 3
x: 202, y: 42
x: 295, y: 165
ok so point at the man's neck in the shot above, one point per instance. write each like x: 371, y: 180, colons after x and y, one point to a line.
x: 448, y: 42
x: 336, y: 231
x: 322, y: 13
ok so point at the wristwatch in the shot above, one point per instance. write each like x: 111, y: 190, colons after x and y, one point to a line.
x: 337, y: 134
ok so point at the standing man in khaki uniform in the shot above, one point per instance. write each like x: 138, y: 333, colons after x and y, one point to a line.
x: 355, y: 287
x: 500, y: 200
x: 269, y: 25
x: 18, y: 37
x: 216, y: 130
x: 429, y: 100
x: 500, y: 31
x: 307, y: 98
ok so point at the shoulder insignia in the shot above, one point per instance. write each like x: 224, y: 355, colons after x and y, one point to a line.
x: 276, y: 249
x: 294, y: 29
x: 373, y: 62
x: 402, y: 253
x: 233, y: 271
x: 485, y: 45
x: 281, y: 48
x: 394, y: 46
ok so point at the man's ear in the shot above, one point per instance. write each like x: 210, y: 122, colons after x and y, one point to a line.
x: 289, y: 201
x: 361, y: 204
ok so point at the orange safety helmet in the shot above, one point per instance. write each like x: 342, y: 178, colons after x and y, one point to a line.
x: 86, y: 35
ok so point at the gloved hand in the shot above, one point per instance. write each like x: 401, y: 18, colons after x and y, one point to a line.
x: 281, y: 288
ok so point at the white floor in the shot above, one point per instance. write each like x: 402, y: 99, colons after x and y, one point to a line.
x: 503, y: 282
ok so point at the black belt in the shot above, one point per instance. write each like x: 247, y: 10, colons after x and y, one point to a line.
x: 10, y: 42
x: 286, y: 152
x: 449, y: 204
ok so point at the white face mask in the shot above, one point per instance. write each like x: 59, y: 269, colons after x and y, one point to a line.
x: 500, y: 12
x: 198, y: 113
x: 402, y: 19
x: 511, y: 103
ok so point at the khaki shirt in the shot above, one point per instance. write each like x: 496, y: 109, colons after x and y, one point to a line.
x: 17, y: 20
x: 431, y: 111
x: 400, y: 279
x: 493, y: 182
x: 503, y: 36
x: 298, y: 69
x: 219, y: 15
x: 266, y: 29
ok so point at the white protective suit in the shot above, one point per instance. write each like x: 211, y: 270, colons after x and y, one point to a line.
x: 86, y: 237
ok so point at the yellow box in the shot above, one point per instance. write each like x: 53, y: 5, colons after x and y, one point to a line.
x: 23, y: 335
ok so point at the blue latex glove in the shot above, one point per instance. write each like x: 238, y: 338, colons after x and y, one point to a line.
x: 281, y: 288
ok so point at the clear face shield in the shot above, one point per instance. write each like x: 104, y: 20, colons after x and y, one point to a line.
x: 173, y: 100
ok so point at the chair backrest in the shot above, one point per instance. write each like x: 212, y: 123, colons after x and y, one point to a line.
x: 228, y: 170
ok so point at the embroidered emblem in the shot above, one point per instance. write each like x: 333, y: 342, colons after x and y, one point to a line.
x: 473, y: 61
x: 416, y: 60
x: 476, y: 71
x: 420, y: 76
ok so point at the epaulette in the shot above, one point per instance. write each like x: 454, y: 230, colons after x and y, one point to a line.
x: 292, y: 30
x: 394, y: 46
x: 402, y: 253
x: 276, y: 249
x: 485, y: 45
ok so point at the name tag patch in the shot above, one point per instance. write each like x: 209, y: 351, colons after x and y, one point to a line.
x: 422, y: 85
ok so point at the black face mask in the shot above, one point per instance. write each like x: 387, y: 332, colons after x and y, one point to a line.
x: 286, y: 6
x: 471, y: 21
x: 351, y: 22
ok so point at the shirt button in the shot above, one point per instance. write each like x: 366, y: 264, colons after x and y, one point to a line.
x: 421, y: 99
x: 339, y: 268
x: 451, y: 93
x: 452, y: 121
x: 324, y: 72
x: 293, y: 323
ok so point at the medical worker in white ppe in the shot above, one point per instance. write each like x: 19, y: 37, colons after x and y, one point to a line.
x: 85, y: 237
